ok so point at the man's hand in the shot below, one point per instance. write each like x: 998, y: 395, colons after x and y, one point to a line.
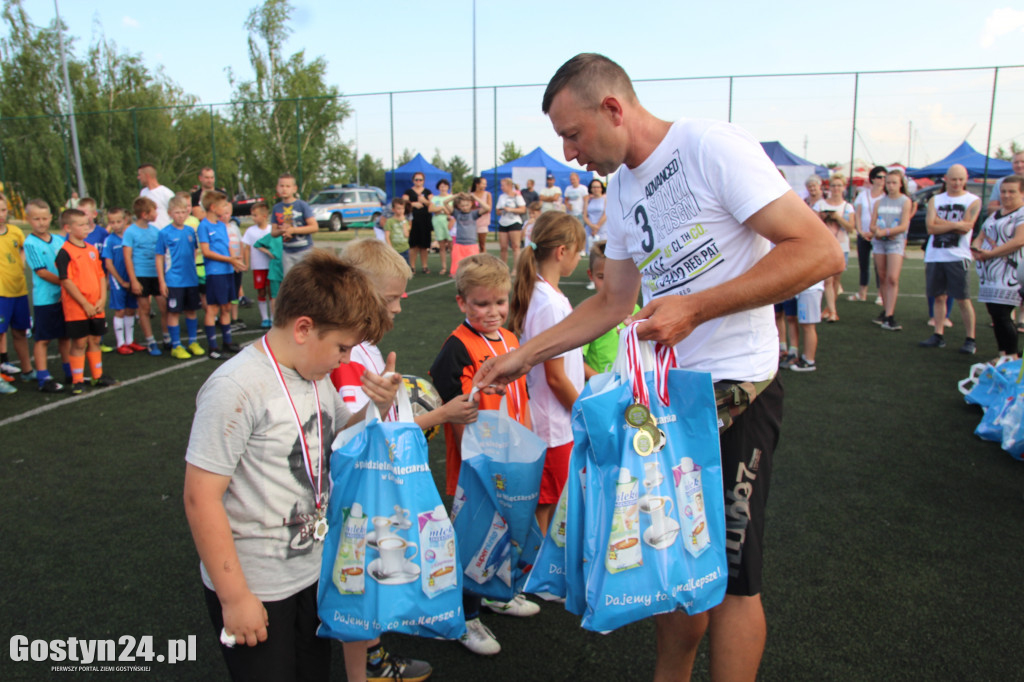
x: 381, y: 389
x: 669, y: 320
x: 501, y: 371
x: 245, y: 618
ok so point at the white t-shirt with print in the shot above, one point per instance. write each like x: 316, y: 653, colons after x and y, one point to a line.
x: 950, y: 247
x: 551, y: 421
x: 837, y: 230
x: 679, y: 216
x: 575, y: 196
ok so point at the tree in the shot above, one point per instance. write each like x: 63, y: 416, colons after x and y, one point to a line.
x: 287, y: 117
x: 462, y: 173
x: 1008, y: 155
x: 405, y: 157
x: 438, y: 161
x: 371, y: 171
x: 509, y: 152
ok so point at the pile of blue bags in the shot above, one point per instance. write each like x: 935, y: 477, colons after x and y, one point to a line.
x: 999, y: 391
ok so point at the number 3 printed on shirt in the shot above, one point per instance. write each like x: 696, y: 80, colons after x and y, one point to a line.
x: 641, y: 220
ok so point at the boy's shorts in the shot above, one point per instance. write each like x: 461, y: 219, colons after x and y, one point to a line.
x: 259, y: 279
x: 887, y: 247
x: 789, y: 307
x: 747, y: 450
x: 275, y: 285
x: 79, y: 329
x: 182, y: 299
x: 556, y: 472
x: 150, y: 286
x: 122, y: 299
x: 238, y: 288
x: 218, y: 289
x: 947, y: 279
x: 14, y: 313
x: 49, y: 323
x: 808, y: 306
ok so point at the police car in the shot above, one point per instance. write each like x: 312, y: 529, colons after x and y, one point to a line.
x: 336, y: 207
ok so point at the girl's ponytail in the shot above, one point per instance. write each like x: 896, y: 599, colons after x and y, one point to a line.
x: 552, y: 229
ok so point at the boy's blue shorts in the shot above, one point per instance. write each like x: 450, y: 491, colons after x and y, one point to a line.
x: 120, y: 298
x: 14, y: 313
x: 220, y: 289
x: 49, y: 323
x: 789, y: 307
x: 182, y: 299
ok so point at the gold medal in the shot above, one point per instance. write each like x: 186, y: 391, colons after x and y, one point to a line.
x: 643, y: 444
x: 320, y: 528
x: 637, y: 415
x: 655, y: 434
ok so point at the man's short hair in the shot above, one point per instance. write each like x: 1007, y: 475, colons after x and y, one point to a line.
x: 211, y: 197
x: 1014, y: 179
x: 482, y: 270
x: 87, y: 201
x: 69, y: 214
x: 142, y: 206
x: 204, y: 169
x: 285, y: 176
x: 37, y: 204
x: 591, y: 77
x: 335, y: 295
x: 178, y: 202
x: 376, y: 259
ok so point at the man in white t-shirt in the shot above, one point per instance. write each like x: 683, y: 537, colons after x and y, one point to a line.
x: 574, y: 195
x: 153, y: 190
x: 690, y: 215
x: 551, y: 196
x: 947, y: 259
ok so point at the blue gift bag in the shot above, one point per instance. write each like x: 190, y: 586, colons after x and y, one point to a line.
x: 390, y: 560
x: 499, y: 484
x: 987, y: 385
x: 991, y: 425
x: 655, y: 535
x: 1011, y: 420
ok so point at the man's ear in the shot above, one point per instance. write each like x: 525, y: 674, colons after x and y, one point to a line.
x: 611, y: 106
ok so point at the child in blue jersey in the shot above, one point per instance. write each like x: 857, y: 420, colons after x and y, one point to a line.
x: 292, y: 219
x: 97, y: 233
x: 41, y: 249
x: 122, y: 300
x: 220, y: 274
x: 179, y: 284
x: 139, y: 248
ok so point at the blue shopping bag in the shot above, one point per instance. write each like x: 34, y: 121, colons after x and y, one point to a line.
x: 391, y: 560
x: 991, y: 425
x: 499, y: 484
x: 655, y: 535
x: 1011, y: 420
x: 987, y: 385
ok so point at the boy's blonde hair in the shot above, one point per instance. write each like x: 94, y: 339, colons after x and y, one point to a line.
x: 535, y: 206
x: 87, y: 201
x: 211, y: 197
x: 179, y: 202
x: 37, y: 204
x: 335, y: 295
x: 142, y: 205
x: 462, y: 197
x: 376, y: 259
x: 482, y: 270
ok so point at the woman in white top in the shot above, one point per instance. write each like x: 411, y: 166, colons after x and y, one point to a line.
x: 863, y: 205
x: 838, y: 217
x: 593, y: 212
x: 510, y: 209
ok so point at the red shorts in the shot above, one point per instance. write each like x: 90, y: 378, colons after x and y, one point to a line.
x: 259, y: 279
x: 556, y: 471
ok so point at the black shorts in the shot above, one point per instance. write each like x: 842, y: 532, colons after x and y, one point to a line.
x: 747, y: 450
x: 150, y: 286
x: 48, y: 322
x: 947, y: 279
x: 238, y: 286
x: 79, y: 329
x: 183, y: 299
x: 514, y: 227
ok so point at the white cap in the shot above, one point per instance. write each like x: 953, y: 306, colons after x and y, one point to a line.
x: 624, y: 475
x: 687, y: 464
x: 357, y: 510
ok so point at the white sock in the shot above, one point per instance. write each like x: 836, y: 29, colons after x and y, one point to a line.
x: 119, y: 330
x: 262, y: 305
x: 129, y: 329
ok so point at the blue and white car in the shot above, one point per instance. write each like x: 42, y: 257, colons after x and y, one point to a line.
x: 336, y: 207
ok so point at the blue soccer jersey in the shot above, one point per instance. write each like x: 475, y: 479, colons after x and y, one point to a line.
x: 178, y: 247
x: 97, y: 237
x: 113, y: 249
x: 216, y: 235
x: 142, y: 242
x: 42, y: 255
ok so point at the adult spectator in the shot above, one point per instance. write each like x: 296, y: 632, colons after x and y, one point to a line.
x: 722, y: 180
x: 530, y: 194
x: 947, y: 260
x: 575, y: 194
x: 890, y: 221
x: 157, y: 193
x: 73, y: 201
x: 998, y: 249
x: 510, y: 209
x: 422, y: 228
x: 814, y: 193
x: 483, y: 199
x: 863, y: 205
x: 593, y: 215
x: 207, y: 183
x: 551, y: 196
x: 1017, y: 160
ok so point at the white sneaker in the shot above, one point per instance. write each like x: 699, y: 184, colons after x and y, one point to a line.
x: 520, y: 606
x: 8, y: 368
x: 590, y: 286
x: 479, y: 639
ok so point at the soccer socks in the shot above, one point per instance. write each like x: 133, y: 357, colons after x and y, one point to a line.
x: 261, y: 303
x: 211, y: 336
x: 225, y: 333
x: 174, y: 331
x: 77, y: 369
x: 129, y: 329
x: 192, y: 328
x: 119, y: 331
x: 67, y: 371
x: 95, y: 359
x: 41, y: 376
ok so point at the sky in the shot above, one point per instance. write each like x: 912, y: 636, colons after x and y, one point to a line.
x: 400, y: 46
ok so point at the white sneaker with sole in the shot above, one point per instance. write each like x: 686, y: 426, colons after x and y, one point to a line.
x: 479, y: 639
x: 520, y: 606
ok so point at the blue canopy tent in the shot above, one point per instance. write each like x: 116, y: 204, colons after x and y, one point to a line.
x: 398, y: 181
x: 535, y: 165
x: 970, y: 158
x: 797, y: 170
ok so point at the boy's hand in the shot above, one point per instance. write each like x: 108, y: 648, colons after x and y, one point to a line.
x: 246, y: 619
x: 90, y: 310
x: 381, y: 389
x: 237, y: 264
x: 460, y: 410
x: 136, y: 287
x: 163, y: 290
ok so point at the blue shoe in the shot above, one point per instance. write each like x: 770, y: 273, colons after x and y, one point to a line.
x: 6, y: 388
x: 154, y: 349
x: 28, y: 376
x: 266, y: 324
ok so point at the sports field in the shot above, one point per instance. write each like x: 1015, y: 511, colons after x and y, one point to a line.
x: 894, y: 541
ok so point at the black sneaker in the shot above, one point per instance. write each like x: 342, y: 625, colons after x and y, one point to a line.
x: 215, y: 354
x: 78, y: 389
x: 167, y: 346
x: 398, y: 668
x: 104, y: 381
x: 232, y: 348
x: 51, y: 385
x: 880, y: 319
x: 933, y: 341
x: 892, y: 325
x: 238, y: 326
x: 802, y: 365
x: 969, y: 347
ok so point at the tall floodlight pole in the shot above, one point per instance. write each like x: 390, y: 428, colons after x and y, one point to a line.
x: 70, y: 102
x: 474, y: 88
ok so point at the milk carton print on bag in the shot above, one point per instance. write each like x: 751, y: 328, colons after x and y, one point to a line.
x: 438, y: 560
x: 349, y: 574
x: 690, y: 497
x: 624, y: 551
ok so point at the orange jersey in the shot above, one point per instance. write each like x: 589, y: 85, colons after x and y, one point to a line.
x: 83, y: 266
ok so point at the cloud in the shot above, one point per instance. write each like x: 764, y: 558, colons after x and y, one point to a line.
x: 1001, y: 22
x: 129, y: 22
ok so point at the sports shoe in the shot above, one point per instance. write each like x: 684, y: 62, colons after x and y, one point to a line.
x: 969, y: 347
x: 104, y: 348
x: 8, y: 368
x: 78, y: 388
x: 179, y: 353
x: 6, y: 388
x: 878, y: 300
x: 891, y: 324
x: 195, y: 349
x: 51, y: 385
x: 479, y: 639
x: 104, y: 381
x: 398, y: 668
x: 933, y: 341
x: 802, y: 365
x: 215, y: 354
x: 136, y: 347
x: 232, y: 348
x: 880, y: 319
x: 166, y: 345
x: 266, y: 324
x: 591, y: 286
x: 28, y: 376
x: 245, y: 302
x: 788, y: 361
x: 154, y: 349
x: 520, y: 606
x: 6, y: 377
x: 124, y: 350
x: 238, y: 326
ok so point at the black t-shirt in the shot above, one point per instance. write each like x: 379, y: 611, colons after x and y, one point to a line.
x: 197, y: 195
x: 420, y: 216
x: 529, y: 196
